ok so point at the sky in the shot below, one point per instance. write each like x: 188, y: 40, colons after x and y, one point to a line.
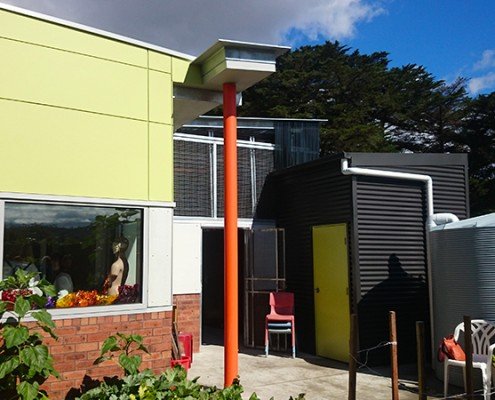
x: 450, y: 38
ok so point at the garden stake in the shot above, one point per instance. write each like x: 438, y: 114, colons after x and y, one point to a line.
x: 353, y: 357
x: 420, y: 345
x: 468, y: 346
x: 393, y: 356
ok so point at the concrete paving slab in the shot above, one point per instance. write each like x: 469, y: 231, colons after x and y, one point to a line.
x: 280, y: 376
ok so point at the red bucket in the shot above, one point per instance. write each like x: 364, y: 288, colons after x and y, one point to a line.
x: 186, y: 339
x: 184, y: 362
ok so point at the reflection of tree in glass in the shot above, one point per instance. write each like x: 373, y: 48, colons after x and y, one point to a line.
x: 23, y: 240
x: 104, y: 229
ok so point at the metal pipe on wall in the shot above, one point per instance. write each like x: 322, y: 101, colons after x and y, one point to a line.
x: 432, y: 219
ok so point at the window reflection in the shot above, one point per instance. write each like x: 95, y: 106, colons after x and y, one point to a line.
x: 93, y: 254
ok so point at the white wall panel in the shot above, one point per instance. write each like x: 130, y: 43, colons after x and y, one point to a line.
x: 187, y: 250
x: 160, y: 257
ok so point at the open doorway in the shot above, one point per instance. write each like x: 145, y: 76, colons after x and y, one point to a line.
x: 212, y: 307
x: 265, y: 273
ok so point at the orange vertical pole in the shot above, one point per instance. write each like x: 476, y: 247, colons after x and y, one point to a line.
x: 231, y: 336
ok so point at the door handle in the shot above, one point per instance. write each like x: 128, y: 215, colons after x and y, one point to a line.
x: 317, y: 290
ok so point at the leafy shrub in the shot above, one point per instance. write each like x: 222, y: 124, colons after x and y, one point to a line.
x: 25, y: 362
x: 124, y: 345
x: 170, y: 385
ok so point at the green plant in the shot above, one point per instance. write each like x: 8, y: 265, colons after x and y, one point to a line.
x: 123, y: 345
x: 25, y: 362
x: 170, y: 385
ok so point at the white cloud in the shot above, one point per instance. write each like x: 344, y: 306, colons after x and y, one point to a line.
x: 482, y: 83
x: 487, y: 61
x: 193, y: 25
x: 335, y: 19
x: 486, y: 81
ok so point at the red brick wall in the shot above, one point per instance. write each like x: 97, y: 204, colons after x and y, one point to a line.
x: 189, y: 315
x: 80, y: 341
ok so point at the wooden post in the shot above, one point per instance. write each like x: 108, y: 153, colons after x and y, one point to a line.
x: 353, y: 354
x: 468, y: 347
x: 420, y: 345
x: 393, y: 356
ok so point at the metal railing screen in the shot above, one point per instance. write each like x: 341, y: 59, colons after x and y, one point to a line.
x: 198, y: 167
x: 192, y: 178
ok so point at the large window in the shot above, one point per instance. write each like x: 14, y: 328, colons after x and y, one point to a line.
x: 93, y: 255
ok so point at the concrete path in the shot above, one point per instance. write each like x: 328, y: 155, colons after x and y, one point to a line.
x: 280, y: 376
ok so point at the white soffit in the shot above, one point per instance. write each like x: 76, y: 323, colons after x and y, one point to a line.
x: 189, y: 103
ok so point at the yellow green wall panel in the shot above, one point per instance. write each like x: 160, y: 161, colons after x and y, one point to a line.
x: 160, y: 97
x: 184, y: 72
x: 160, y: 62
x: 75, y: 114
x: 214, y: 64
x: 69, y: 80
x: 161, y: 181
x: 27, y: 29
x: 56, y: 151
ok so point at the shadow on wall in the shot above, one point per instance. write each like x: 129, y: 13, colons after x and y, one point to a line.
x: 403, y: 293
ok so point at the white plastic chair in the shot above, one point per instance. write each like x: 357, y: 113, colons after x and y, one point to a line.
x: 482, y: 334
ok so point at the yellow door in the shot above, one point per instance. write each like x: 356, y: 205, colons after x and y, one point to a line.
x: 331, y: 283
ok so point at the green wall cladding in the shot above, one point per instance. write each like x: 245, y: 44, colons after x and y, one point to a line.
x: 82, y: 114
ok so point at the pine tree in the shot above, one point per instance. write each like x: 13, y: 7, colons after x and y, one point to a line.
x: 478, y: 134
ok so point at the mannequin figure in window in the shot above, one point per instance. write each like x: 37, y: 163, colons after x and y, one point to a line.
x: 63, y: 280
x: 120, y: 267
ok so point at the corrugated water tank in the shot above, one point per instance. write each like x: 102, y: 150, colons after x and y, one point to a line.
x: 462, y: 275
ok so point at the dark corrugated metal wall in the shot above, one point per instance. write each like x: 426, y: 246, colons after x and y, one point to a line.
x: 388, y: 215
x: 392, y: 262
x: 449, y: 185
x: 391, y: 246
x: 305, y: 197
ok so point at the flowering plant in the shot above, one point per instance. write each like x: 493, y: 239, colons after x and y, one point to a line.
x: 83, y: 298
x: 25, y: 362
x: 105, y: 299
x: 128, y: 294
x: 27, y: 285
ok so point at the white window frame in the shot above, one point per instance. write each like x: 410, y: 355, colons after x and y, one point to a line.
x: 96, y: 311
